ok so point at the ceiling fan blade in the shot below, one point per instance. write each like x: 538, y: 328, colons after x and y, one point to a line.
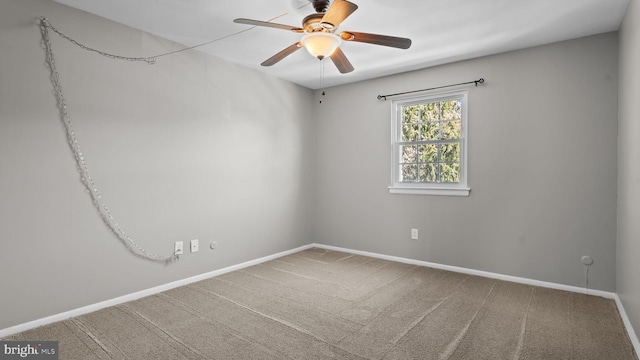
x: 338, y: 11
x: 282, y: 54
x: 268, y: 24
x: 397, y: 42
x: 341, y: 61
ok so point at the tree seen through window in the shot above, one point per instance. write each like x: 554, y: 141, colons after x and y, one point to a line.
x: 430, y: 143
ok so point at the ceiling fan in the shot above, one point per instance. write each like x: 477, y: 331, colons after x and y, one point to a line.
x: 320, y: 37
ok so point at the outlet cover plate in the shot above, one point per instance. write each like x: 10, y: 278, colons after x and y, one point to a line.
x: 194, y: 246
x: 178, y: 248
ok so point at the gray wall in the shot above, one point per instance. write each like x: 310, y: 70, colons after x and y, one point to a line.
x: 192, y: 147
x: 629, y: 166
x: 542, y: 167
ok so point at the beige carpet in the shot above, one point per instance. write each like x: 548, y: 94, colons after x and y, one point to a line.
x: 319, y: 304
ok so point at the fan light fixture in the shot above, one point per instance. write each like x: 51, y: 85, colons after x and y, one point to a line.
x: 320, y: 39
x: 321, y: 44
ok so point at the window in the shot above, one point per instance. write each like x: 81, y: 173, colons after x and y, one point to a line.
x: 429, y: 145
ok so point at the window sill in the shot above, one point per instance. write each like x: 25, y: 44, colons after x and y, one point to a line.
x: 446, y: 191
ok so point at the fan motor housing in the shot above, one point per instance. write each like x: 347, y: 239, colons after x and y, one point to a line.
x: 313, y: 23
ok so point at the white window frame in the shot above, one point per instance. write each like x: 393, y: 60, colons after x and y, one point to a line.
x: 452, y: 189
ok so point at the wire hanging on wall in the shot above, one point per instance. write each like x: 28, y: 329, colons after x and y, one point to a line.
x: 384, y: 97
x: 85, y: 176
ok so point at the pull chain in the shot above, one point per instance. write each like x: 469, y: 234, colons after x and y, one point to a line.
x: 322, y: 79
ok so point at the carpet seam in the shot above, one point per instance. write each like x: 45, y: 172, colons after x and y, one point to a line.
x: 306, y: 277
x: 458, y: 339
x: 523, y: 327
x: 231, y: 283
x: 133, y: 312
x: 369, y: 296
x: 93, y: 337
x: 99, y: 355
x: 306, y: 258
x: 269, y: 280
x: 211, y: 321
x: 421, y: 318
x: 349, y: 256
x: 570, y: 318
x: 281, y: 321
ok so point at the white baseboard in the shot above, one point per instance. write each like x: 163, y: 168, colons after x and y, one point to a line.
x: 605, y: 294
x: 627, y: 324
x: 158, y: 289
x: 140, y: 294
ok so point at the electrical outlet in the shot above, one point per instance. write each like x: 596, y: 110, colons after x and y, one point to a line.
x: 177, y: 248
x: 194, y: 246
x: 414, y: 234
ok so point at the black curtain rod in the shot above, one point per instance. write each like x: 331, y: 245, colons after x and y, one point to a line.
x: 479, y: 81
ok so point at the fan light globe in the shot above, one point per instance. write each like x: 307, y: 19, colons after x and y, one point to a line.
x: 321, y: 44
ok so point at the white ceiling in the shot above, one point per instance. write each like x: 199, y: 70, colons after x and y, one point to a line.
x: 442, y: 31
